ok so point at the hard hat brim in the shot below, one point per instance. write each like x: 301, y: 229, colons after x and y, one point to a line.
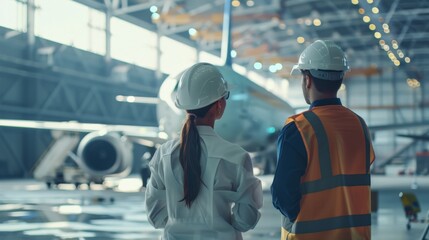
x: 295, y: 71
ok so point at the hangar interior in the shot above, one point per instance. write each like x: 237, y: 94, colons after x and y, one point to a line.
x: 69, y: 60
x: 65, y: 68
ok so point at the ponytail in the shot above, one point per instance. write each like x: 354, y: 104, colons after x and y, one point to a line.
x: 190, y: 155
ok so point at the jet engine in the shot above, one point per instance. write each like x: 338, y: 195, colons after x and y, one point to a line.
x: 105, y: 153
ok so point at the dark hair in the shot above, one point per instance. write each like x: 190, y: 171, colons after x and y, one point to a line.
x: 190, y: 155
x: 324, y: 86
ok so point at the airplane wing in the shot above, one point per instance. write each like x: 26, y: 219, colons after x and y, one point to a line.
x: 145, y: 135
x: 399, y: 126
x: 414, y: 136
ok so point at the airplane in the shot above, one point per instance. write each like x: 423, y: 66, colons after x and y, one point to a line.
x: 422, y: 137
x: 252, y: 119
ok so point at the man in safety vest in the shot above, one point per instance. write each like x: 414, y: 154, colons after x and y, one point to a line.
x: 322, y: 181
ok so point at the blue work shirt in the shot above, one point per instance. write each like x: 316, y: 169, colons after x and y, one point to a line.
x: 291, y: 165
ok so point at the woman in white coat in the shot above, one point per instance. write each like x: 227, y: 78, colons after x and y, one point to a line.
x: 202, y: 187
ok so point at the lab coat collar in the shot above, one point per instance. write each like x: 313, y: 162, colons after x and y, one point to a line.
x: 206, y: 130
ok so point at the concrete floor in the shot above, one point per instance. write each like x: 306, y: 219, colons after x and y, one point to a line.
x: 29, y: 211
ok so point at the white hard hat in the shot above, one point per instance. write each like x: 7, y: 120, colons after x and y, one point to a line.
x: 199, y: 86
x: 321, y: 58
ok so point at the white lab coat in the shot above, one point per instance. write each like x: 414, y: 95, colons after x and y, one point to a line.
x: 227, y: 204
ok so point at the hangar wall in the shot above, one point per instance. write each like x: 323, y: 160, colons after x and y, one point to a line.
x: 59, y: 82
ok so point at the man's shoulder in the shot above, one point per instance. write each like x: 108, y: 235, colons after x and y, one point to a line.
x: 296, y: 117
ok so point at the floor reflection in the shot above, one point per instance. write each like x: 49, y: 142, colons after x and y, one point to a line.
x: 106, y: 214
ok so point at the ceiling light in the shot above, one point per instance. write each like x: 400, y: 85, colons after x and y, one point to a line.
x: 397, y: 63
x: 279, y: 66
x: 317, y: 22
x: 413, y: 83
x: 386, y: 48
x: 407, y: 60
x: 395, y: 46
x: 366, y: 19
x: 257, y: 65
x: 120, y: 98
x: 130, y: 99
x: 272, y: 68
x: 192, y: 32
x: 300, y: 40
x: 377, y: 35
x: 153, y: 9
x: 372, y: 26
x: 250, y: 3
x: 385, y: 26
x: 375, y: 10
x: 382, y: 42
x: 308, y: 21
x: 233, y: 53
x: 235, y: 3
x: 361, y: 10
x: 282, y: 25
x: 370, y: 1
x: 386, y: 30
x: 355, y: 2
x: 155, y: 17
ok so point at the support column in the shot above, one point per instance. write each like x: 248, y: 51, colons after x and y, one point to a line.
x: 395, y: 96
x: 108, y: 52
x: 31, y: 39
x: 29, y: 94
x: 158, y: 73
x: 226, y: 34
x: 198, y: 50
x: 415, y: 104
x: 395, y: 103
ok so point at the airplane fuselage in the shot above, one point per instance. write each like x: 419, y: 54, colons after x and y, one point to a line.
x: 251, y: 119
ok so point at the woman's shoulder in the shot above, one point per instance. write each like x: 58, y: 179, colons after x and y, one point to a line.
x: 169, y: 146
x: 228, y: 151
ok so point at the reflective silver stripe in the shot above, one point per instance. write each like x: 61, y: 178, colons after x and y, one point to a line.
x: 331, y: 223
x: 335, y: 181
x: 367, y: 143
x: 322, y: 141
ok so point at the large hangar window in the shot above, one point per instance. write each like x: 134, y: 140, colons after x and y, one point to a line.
x: 133, y: 44
x: 74, y: 24
x: 13, y: 15
x: 176, y: 56
x: 70, y: 23
x: 207, y: 57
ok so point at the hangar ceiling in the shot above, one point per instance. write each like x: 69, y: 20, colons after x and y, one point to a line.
x: 386, y: 43
x: 375, y: 34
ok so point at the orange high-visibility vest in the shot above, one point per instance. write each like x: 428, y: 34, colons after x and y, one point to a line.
x: 335, y: 187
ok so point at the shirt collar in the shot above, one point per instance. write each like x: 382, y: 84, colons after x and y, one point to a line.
x: 326, y: 101
x: 205, y: 130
